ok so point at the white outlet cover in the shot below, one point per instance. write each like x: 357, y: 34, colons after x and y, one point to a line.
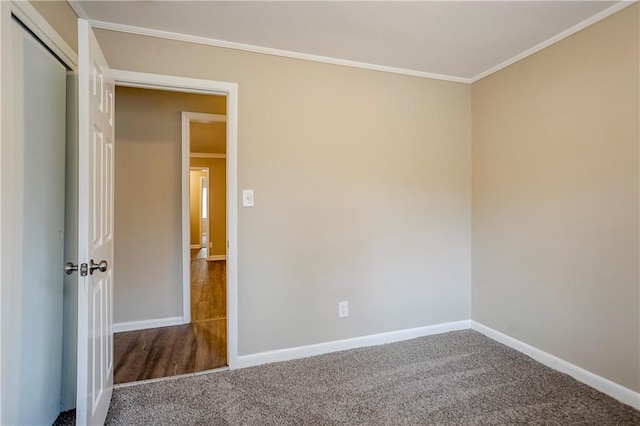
x: 343, y: 309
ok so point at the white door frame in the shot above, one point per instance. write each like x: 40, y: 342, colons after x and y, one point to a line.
x: 207, y: 87
x: 30, y: 17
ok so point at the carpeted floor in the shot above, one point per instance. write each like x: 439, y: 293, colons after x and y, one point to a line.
x: 460, y: 377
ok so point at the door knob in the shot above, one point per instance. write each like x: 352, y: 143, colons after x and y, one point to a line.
x: 102, y: 266
x: 70, y: 268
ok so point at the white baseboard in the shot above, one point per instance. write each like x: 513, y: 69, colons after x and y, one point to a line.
x: 622, y: 394
x: 195, y: 246
x: 217, y: 257
x: 341, y: 345
x: 143, y: 325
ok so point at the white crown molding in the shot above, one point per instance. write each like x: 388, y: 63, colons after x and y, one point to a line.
x: 77, y: 9
x: 206, y: 155
x: 582, y: 25
x: 269, y: 51
x: 606, y: 386
x: 347, y: 63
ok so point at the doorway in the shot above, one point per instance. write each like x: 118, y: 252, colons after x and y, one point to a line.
x: 159, y: 332
x: 199, y: 211
x: 205, y: 136
x: 9, y: 285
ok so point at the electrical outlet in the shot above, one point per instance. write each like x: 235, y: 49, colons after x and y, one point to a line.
x: 343, y: 309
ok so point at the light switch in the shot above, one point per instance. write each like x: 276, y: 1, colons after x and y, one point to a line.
x: 247, y: 198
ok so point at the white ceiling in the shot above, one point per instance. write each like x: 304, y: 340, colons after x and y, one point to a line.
x: 457, y: 39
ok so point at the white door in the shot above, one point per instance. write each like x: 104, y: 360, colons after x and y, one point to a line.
x: 33, y: 222
x: 95, y: 230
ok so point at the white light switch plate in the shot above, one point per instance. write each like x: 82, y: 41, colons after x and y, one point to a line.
x: 247, y: 198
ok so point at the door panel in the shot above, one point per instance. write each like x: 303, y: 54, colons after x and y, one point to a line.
x: 95, y: 230
x: 38, y: 220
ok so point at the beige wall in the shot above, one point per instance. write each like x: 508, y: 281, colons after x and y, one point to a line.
x: 555, y: 205
x: 62, y: 18
x: 555, y: 200
x: 217, y: 203
x: 148, y: 263
x: 362, y: 188
x: 195, y: 208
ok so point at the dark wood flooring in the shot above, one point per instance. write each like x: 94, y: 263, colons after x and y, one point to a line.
x: 208, y: 290
x: 168, y: 351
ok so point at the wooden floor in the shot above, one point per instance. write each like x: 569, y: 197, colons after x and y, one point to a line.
x: 198, y: 346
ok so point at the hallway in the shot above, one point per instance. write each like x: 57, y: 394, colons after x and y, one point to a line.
x: 168, y: 351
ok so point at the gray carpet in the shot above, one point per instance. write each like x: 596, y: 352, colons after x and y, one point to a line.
x: 460, y: 377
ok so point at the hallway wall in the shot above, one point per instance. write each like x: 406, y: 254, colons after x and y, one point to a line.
x: 148, y: 199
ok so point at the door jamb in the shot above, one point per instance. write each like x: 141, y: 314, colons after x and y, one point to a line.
x: 230, y: 90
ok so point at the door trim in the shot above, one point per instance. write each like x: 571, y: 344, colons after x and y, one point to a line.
x: 230, y: 90
x: 206, y: 155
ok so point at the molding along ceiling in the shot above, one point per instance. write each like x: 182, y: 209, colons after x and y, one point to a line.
x: 460, y: 41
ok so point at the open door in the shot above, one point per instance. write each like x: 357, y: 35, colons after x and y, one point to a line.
x: 95, y: 230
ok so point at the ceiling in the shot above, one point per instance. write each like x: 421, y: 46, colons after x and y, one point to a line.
x: 455, y: 40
